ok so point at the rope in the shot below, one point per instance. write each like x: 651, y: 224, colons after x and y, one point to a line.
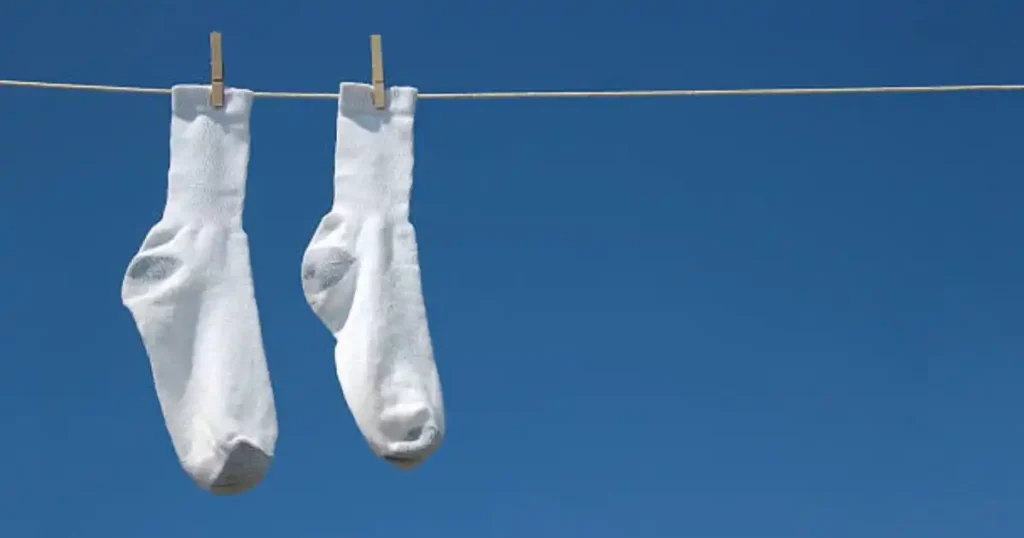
x: 562, y: 94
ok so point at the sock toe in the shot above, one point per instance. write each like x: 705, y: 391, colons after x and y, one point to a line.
x: 244, y: 469
x: 424, y: 441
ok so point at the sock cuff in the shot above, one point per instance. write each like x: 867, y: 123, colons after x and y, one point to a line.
x: 191, y: 100
x: 357, y: 98
x: 373, y: 157
x: 209, y: 154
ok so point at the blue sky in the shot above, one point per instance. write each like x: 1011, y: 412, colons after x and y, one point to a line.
x: 719, y: 317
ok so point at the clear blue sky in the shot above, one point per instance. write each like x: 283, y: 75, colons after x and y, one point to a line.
x: 721, y: 317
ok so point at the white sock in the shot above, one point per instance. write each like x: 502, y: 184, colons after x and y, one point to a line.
x: 361, y: 276
x: 190, y: 291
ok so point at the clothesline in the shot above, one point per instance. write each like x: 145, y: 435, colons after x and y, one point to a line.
x: 561, y: 94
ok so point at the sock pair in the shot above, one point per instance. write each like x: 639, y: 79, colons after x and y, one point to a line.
x: 189, y: 289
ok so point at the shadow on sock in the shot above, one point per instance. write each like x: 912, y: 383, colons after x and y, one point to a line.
x: 244, y: 469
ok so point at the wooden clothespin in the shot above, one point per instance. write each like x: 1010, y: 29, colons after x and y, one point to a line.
x: 216, y: 71
x: 377, y: 57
